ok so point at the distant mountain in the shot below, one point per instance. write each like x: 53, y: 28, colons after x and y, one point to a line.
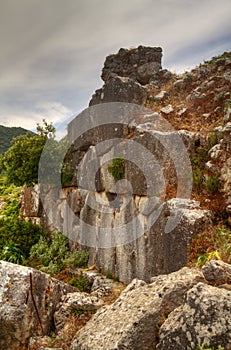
x: 7, y: 134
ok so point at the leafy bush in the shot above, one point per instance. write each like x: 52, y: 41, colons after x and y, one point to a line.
x: 17, y: 236
x: 50, y: 254
x: 81, y: 282
x: 212, y: 184
x: 77, y: 258
x: 12, y: 253
x: 54, y: 254
x: 23, y: 233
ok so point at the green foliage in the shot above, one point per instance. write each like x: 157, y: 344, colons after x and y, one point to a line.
x: 23, y: 233
x: 212, y: 139
x: 204, y: 347
x: 228, y: 104
x: 22, y: 158
x: 17, y: 236
x: 117, y: 168
x: 47, y: 130
x: 12, y: 253
x: 215, y: 58
x: 212, y: 184
x: 82, y: 311
x: 50, y: 254
x: 203, y: 259
x: 198, y: 161
x: 54, y: 254
x: 81, y: 282
x: 67, y: 172
x: 111, y: 276
x: 198, y: 178
x: 78, y: 258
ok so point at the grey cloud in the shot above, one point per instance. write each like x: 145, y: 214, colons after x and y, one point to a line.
x: 54, y: 50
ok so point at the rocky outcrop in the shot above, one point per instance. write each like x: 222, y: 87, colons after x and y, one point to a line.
x: 22, y: 313
x: 124, y: 74
x: 137, y: 63
x: 175, y: 311
x: 133, y: 321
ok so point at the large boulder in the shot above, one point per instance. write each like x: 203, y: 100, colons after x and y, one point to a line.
x: 22, y: 313
x: 133, y: 321
x: 203, y: 320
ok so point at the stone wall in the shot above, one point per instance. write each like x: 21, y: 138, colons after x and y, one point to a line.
x: 123, y: 223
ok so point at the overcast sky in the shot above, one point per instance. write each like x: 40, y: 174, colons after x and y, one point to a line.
x: 52, y: 51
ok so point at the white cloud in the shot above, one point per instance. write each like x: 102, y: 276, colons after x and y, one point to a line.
x: 53, y: 112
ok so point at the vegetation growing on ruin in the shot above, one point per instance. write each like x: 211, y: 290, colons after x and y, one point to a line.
x: 117, y: 168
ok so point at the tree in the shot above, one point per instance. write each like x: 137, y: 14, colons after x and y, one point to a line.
x: 21, y: 160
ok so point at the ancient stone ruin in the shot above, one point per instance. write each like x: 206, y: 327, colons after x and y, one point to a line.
x: 128, y: 203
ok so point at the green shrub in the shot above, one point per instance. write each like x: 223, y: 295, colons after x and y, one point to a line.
x: 54, y: 254
x: 51, y: 254
x: 77, y: 258
x: 215, y: 58
x: 17, y: 236
x: 198, y: 178
x: 12, y: 253
x: 212, y: 184
x: 212, y: 139
x: 23, y: 233
x: 82, y: 283
x: 204, y: 347
x: 117, y: 168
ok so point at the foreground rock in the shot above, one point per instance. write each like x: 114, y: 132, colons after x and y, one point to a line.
x: 133, y: 321
x: 204, y: 320
x: 18, y: 317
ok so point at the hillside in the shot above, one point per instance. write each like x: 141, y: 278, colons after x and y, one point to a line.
x: 7, y: 134
x: 196, y: 100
